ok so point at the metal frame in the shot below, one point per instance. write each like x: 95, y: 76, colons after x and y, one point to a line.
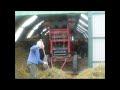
x: 47, y: 13
x: 90, y: 41
x: 64, y: 59
x: 58, y: 31
x: 21, y: 13
x: 98, y: 61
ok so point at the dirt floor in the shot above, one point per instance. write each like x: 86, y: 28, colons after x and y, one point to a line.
x: 83, y: 64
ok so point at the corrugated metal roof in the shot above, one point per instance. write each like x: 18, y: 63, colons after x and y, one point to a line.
x: 74, y: 24
x: 83, y: 25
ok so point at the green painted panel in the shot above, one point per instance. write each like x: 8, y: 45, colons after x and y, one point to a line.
x: 19, y: 13
x: 90, y: 42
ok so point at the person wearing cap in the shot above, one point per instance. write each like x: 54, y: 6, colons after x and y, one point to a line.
x: 34, y: 59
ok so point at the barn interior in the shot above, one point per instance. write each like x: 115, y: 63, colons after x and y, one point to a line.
x: 27, y: 34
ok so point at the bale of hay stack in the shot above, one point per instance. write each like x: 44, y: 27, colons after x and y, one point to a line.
x: 53, y: 73
x: 92, y: 73
x: 21, y: 74
x: 99, y: 71
x: 21, y: 68
x: 20, y: 52
x: 21, y: 63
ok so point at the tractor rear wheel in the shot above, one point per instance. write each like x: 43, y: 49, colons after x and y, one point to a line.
x: 75, y: 64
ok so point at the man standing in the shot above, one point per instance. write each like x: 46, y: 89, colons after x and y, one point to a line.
x: 34, y: 59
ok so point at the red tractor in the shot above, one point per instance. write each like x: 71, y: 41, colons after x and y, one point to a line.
x: 60, y: 47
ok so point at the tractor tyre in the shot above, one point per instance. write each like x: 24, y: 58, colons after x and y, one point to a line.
x: 75, y: 64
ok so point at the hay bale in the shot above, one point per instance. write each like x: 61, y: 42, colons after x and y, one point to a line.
x: 53, y: 73
x: 20, y: 52
x: 99, y: 71
x: 21, y: 71
x: 22, y: 74
x: 92, y: 73
x: 20, y: 63
x: 21, y: 68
